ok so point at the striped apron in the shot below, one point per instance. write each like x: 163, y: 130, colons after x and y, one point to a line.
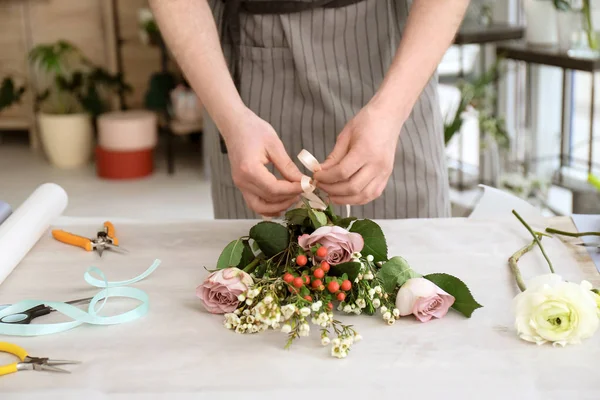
x: 308, y: 73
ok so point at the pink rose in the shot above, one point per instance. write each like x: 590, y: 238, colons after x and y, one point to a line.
x: 340, y: 243
x: 424, y: 299
x: 221, y: 289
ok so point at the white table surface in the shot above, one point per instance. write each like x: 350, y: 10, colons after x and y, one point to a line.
x: 180, y: 351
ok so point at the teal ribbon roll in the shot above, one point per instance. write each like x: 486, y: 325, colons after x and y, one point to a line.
x: 79, y: 316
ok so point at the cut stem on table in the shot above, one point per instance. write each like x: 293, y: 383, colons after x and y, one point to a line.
x: 536, y: 239
x: 572, y: 234
x: 513, y: 263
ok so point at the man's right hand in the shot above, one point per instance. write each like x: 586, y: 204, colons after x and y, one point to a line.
x: 252, y: 143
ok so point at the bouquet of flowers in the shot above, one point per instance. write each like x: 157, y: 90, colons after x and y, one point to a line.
x: 285, y: 276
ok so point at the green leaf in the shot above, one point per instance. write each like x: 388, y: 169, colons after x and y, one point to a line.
x: 271, y: 237
x: 464, y: 303
x: 352, y: 269
x: 372, y: 234
x: 231, y: 255
x: 318, y: 218
x: 345, y: 222
x: 296, y: 216
x: 395, y: 273
x: 247, y: 255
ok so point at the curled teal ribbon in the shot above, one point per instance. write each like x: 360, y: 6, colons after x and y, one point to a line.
x: 79, y: 316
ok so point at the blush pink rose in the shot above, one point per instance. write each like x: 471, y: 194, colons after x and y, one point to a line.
x: 424, y: 299
x: 340, y: 243
x: 219, y: 292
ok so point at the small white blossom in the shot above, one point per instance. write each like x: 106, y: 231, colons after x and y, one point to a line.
x: 239, y: 329
x: 228, y: 325
x: 391, y: 321
x: 242, y: 297
x: 268, y: 299
x: 317, y: 306
x: 387, y: 316
x: 286, y: 328
x: 246, y: 312
x: 249, y: 302
x: 357, y: 311
x: 341, y: 307
x: 305, y: 311
x: 368, y: 276
x: 357, y: 338
x: 376, y: 303
x: 237, y: 312
x: 337, y: 352
x: 371, y: 293
x: 304, y: 329
x: 336, y: 342
x: 396, y: 312
x: 288, y: 310
x: 325, y: 341
x: 360, y: 302
x: 347, y: 308
x: 383, y: 309
x: 250, y: 319
x: 377, y: 289
x: 370, y: 258
x: 356, y: 254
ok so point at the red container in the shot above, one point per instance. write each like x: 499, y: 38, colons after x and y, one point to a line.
x: 124, y: 164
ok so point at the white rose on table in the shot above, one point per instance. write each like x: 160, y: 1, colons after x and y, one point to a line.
x: 555, y: 311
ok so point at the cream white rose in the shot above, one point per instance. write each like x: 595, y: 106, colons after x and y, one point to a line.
x: 552, y: 310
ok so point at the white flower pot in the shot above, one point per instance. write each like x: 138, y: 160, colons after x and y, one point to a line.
x: 67, y: 139
x: 541, y: 28
x: 568, y: 24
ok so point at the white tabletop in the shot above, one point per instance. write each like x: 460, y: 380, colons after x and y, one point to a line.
x: 180, y: 351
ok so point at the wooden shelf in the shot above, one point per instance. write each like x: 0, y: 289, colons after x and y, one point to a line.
x: 14, y: 123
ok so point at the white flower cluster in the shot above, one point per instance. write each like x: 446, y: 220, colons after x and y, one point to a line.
x: 244, y: 322
x: 268, y: 312
x: 341, y: 345
x: 390, y: 316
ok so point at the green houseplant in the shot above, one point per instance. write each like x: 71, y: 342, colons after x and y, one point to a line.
x: 583, y: 7
x: 72, y: 92
x: 10, y: 93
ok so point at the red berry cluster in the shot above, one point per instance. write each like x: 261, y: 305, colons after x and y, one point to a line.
x: 314, y: 278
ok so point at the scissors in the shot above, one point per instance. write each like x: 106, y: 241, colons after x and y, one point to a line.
x: 28, y: 362
x: 105, y: 239
x: 29, y: 315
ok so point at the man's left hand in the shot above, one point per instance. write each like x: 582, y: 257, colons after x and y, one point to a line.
x: 357, y: 170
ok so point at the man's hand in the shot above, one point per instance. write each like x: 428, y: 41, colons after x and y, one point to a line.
x: 252, y: 144
x: 358, y: 168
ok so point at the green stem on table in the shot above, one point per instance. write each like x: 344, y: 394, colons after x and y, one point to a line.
x: 572, y: 234
x: 514, y: 259
x: 535, y: 237
x: 252, y: 266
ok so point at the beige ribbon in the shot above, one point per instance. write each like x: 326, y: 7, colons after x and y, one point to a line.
x: 308, y: 186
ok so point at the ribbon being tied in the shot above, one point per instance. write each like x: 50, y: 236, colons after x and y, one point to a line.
x: 309, y: 186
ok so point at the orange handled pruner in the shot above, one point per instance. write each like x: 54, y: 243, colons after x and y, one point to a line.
x: 105, y: 239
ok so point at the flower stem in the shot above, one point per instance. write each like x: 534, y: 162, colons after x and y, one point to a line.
x: 514, y: 259
x: 252, y: 266
x: 537, y: 240
x: 572, y: 234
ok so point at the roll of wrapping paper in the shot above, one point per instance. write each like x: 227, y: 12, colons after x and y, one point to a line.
x: 5, y: 211
x: 26, y: 225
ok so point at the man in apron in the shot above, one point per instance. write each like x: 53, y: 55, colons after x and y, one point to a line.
x: 351, y: 81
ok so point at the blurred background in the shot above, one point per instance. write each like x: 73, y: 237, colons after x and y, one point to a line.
x: 91, y: 99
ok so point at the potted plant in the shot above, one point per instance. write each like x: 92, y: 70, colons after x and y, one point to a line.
x: 477, y: 96
x: 541, y: 19
x: 10, y: 93
x: 72, y: 93
x: 572, y: 12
